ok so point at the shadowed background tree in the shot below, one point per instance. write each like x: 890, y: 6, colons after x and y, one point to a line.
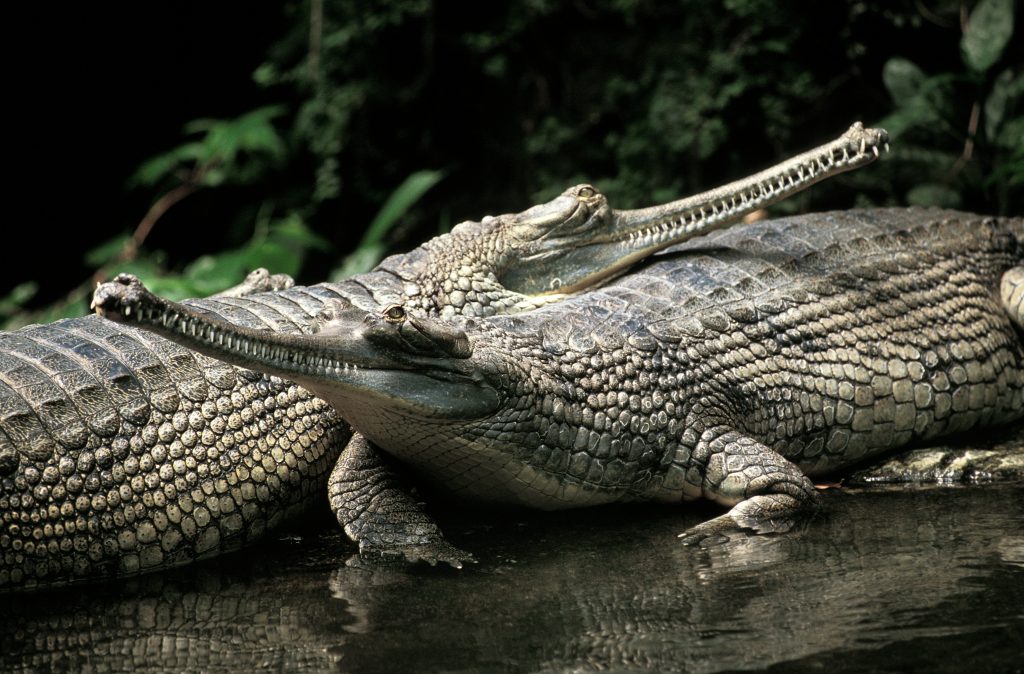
x: 315, y: 139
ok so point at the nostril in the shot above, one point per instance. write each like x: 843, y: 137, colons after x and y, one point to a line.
x: 126, y: 280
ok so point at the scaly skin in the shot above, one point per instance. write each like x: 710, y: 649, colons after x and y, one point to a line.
x: 120, y: 452
x: 731, y: 369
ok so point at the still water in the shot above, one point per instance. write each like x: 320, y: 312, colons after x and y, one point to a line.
x: 888, y: 580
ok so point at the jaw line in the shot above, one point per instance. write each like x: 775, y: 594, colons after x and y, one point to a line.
x: 408, y: 391
x: 345, y: 363
x: 362, y: 372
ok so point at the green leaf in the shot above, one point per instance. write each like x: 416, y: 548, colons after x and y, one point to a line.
x: 1010, y: 136
x: 404, y: 196
x: 371, y: 249
x: 1005, y: 90
x: 280, y: 249
x: 220, y: 150
x: 988, y: 32
x: 19, y: 295
x: 106, y: 251
x: 903, y: 79
x: 360, y: 261
x: 152, y: 171
x: 212, y: 273
x: 1010, y: 174
x: 74, y: 305
x: 213, y: 177
x: 293, y: 229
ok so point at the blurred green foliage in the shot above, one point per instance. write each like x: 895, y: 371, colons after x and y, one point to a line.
x: 226, y: 151
x: 651, y: 100
x: 372, y: 247
x: 513, y: 102
x: 950, y: 159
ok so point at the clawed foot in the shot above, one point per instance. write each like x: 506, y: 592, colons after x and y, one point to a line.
x: 432, y: 553
x: 380, y: 514
x: 763, y: 514
x: 724, y: 528
x: 713, y: 532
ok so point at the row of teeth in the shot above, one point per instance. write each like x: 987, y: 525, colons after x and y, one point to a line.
x: 764, y: 191
x: 196, y: 328
x: 722, y: 209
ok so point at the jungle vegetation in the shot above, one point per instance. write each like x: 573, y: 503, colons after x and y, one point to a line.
x: 380, y: 123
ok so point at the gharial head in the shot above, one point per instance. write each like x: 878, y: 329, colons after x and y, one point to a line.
x: 449, y: 397
x: 576, y: 240
x: 361, y: 362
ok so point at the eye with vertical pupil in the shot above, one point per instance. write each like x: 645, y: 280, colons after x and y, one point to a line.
x: 394, y: 314
x: 586, y: 192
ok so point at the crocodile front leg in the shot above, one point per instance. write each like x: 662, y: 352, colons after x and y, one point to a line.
x: 370, y: 499
x: 377, y: 513
x: 768, y: 493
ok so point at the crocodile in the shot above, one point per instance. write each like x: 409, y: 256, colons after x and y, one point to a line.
x: 731, y: 368
x: 121, y: 452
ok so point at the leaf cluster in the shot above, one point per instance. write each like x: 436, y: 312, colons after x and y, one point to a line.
x: 376, y: 100
x: 960, y: 131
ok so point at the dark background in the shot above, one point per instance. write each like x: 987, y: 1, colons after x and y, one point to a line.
x: 648, y: 100
x: 101, y: 90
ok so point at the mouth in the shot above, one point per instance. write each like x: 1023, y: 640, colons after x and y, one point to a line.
x: 644, y: 230
x: 422, y: 366
x: 605, y: 243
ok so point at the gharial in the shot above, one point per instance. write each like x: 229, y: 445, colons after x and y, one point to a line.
x: 730, y: 367
x: 121, y: 452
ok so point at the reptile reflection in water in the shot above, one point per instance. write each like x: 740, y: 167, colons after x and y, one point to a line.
x: 889, y: 581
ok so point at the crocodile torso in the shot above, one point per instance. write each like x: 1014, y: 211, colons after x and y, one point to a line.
x: 730, y: 367
x: 121, y: 452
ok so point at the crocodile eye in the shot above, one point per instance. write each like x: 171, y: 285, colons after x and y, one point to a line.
x: 586, y: 192
x: 395, y: 313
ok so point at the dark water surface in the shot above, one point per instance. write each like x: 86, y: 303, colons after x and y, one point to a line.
x: 890, y: 580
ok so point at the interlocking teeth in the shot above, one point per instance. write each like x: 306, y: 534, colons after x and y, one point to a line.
x: 811, y: 168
